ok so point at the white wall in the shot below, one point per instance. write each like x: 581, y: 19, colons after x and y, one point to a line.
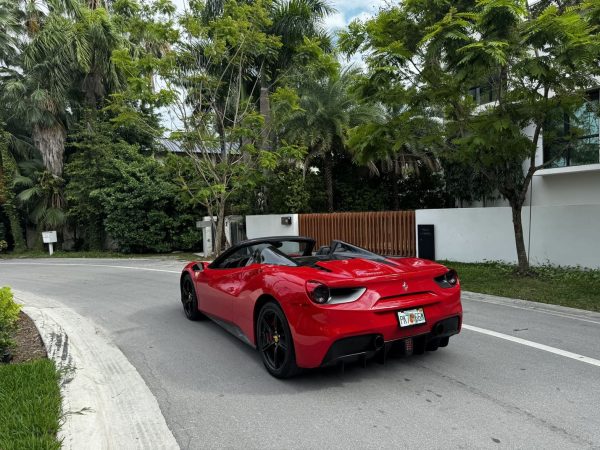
x: 270, y: 225
x: 560, y: 235
x: 471, y: 234
x: 575, y: 188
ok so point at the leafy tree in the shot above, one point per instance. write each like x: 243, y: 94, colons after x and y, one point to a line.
x: 115, y: 191
x: 533, y: 66
x: 137, y: 207
x: 221, y: 124
x: 91, y: 168
x: 292, y: 22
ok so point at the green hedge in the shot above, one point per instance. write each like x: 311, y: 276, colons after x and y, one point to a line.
x: 9, y: 315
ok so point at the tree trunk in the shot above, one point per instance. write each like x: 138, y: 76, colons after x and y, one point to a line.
x: 10, y: 207
x: 328, y: 172
x: 523, y: 268
x: 50, y: 142
x: 220, y: 234
x: 395, y: 190
x: 265, y: 110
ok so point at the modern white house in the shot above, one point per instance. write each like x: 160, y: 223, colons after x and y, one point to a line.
x: 561, y: 216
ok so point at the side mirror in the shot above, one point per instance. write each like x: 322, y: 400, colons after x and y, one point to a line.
x: 200, y: 266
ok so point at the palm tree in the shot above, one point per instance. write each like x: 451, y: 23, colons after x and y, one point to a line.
x: 41, y: 193
x: 399, y: 143
x: 328, y: 109
x: 292, y: 21
x: 9, y: 26
x: 38, y: 94
x: 102, y: 37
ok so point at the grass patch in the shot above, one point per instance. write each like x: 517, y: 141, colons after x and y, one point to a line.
x: 184, y: 256
x: 577, y: 288
x: 29, y: 405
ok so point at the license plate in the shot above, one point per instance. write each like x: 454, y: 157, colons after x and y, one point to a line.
x: 411, y: 317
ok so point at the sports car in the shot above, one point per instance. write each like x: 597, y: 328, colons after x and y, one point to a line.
x: 306, y: 309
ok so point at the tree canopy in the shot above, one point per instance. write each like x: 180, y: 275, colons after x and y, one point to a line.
x: 123, y: 122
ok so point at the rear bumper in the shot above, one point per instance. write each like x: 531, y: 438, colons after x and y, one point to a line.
x: 372, y: 345
x: 325, y: 336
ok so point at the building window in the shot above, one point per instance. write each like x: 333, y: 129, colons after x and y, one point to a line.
x: 487, y: 93
x: 585, y: 148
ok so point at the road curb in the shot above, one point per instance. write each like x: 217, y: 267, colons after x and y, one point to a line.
x: 106, y: 403
x: 531, y: 305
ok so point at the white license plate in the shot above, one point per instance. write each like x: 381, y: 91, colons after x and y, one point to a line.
x: 411, y: 317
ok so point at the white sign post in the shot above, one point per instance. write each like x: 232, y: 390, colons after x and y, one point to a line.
x: 49, y: 237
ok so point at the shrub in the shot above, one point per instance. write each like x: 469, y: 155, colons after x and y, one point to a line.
x: 9, y: 314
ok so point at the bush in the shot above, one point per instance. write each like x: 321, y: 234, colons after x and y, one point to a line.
x: 114, y: 189
x: 9, y: 314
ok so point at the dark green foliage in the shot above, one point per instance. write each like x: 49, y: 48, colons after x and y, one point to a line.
x: 141, y: 210
x: 8, y: 205
x: 286, y: 191
x: 466, y: 184
x: 356, y: 189
x: 113, y: 190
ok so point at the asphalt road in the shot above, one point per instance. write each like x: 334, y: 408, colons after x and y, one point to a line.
x: 482, y: 391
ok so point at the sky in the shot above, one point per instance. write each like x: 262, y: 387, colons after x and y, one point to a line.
x: 348, y: 10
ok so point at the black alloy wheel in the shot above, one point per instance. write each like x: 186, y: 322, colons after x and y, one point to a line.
x: 189, y: 299
x: 275, y: 343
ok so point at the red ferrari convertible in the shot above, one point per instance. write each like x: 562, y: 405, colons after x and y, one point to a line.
x: 302, y: 309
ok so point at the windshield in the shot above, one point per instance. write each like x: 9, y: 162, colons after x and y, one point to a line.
x: 343, y: 250
x: 272, y: 255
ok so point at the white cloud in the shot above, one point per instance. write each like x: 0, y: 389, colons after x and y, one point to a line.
x: 364, y: 15
x: 349, y: 10
x: 335, y: 22
x: 347, y: 5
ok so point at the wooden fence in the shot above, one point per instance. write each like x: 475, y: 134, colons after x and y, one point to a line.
x: 385, y: 232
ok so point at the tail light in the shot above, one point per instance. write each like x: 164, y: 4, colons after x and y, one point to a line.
x: 317, y: 292
x: 448, y: 280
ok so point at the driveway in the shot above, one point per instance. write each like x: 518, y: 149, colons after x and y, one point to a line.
x: 520, y: 375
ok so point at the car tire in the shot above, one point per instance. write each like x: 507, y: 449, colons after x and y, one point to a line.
x: 189, y: 299
x: 444, y: 341
x: 274, y: 342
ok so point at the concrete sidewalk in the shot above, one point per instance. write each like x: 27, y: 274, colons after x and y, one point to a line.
x: 106, y: 403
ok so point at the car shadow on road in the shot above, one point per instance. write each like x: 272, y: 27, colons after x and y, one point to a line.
x: 222, y: 362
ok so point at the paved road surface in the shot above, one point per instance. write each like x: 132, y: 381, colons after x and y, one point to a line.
x: 483, y: 391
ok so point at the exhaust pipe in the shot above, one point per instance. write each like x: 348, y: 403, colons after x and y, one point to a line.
x: 378, y: 342
x: 438, y: 329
